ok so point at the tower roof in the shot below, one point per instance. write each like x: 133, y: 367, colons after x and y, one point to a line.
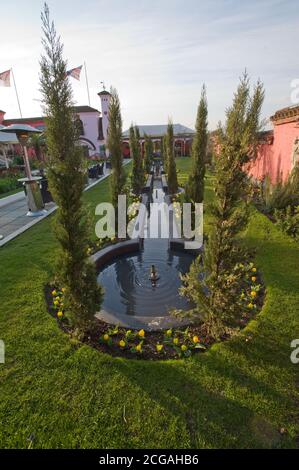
x: 104, y: 92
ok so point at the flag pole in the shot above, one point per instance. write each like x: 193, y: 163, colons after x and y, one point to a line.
x: 13, y: 77
x: 87, y: 87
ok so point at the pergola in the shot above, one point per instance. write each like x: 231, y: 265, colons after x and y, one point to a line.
x: 183, y: 136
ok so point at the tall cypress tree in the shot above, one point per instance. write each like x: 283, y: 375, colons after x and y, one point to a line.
x: 164, y: 152
x: 194, y: 189
x: 115, y: 148
x: 148, y: 153
x: 138, y: 175
x: 134, y: 156
x: 171, y: 166
x: 67, y: 176
x: 221, y: 273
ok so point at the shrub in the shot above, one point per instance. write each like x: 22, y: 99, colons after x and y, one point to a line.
x: 288, y: 221
x: 268, y: 196
x: 8, y: 183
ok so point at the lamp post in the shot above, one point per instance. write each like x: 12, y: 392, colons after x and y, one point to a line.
x: 33, y: 193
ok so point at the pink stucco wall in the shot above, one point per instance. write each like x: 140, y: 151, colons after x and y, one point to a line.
x: 276, y: 159
x: 90, y: 122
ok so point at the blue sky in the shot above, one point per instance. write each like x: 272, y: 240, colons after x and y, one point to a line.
x: 157, y: 53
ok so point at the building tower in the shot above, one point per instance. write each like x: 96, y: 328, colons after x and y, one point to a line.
x: 105, y: 101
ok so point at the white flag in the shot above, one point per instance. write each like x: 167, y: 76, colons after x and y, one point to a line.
x: 5, y: 78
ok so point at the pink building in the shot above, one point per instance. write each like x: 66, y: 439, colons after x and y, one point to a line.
x: 92, y: 124
x: 279, y: 148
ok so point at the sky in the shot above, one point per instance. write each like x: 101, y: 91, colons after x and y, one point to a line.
x: 156, y: 53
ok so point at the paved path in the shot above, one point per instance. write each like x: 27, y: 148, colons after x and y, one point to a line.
x: 13, y: 210
x: 13, y: 217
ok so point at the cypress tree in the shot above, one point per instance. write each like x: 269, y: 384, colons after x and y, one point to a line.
x: 222, y: 271
x: 164, y: 152
x: 134, y: 155
x: 138, y: 175
x: 115, y: 148
x: 67, y: 176
x: 171, y: 166
x: 148, y: 153
x: 194, y: 189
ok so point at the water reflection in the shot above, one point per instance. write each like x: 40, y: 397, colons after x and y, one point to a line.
x: 126, y: 280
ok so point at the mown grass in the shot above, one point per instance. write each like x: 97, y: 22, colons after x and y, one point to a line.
x: 238, y: 394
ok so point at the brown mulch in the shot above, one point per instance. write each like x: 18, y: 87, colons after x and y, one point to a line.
x: 93, y: 337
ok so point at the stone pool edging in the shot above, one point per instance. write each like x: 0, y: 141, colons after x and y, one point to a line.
x: 109, y: 253
x: 148, y: 323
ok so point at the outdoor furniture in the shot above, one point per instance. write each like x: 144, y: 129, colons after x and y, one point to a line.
x: 95, y: 171
x: 46, y: 195
x: 101, y: 168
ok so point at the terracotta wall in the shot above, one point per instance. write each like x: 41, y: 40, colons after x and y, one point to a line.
x: 276, y: 159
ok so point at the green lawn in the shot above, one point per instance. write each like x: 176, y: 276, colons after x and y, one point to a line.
x: 238, y: 394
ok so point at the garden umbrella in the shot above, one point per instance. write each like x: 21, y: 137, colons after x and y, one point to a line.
x: 6, y: 139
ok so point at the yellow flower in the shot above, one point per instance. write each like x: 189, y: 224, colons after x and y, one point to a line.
x: 253, y: 294
x: 253, y: 270
x: 253, y: 278
x: 242, y: 295
x: 57, y: 299
x: 60, y: 314
x: 169, y: 332
x: 141, y: 333
x: 56, y: 303
x: 159, y: 347
x: 63, y: 289
x: 175, y: 340
x: 195, y: 339
x: 122, y: 343
x: 106, y: 337
x: 54, y: 293
x: 250, y: 305
x: 139, y: 347
x: 89, y: 250
x: 183, y: 347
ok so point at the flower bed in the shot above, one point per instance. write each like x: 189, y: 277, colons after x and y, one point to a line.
x: 132, y: 344
x: 173, y: 343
